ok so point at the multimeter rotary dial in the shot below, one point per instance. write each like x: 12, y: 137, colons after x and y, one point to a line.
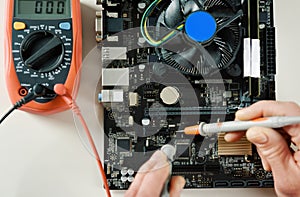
x: 42, y: 51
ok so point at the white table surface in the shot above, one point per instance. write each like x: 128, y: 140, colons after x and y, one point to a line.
x: 44, y: 156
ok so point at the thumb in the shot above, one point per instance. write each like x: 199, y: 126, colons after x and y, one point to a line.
x: 272, y: 148
x: 176, y: 186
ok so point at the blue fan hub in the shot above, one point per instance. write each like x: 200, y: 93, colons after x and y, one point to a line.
x: 200, y: 26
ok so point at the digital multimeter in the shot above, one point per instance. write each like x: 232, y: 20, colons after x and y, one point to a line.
x: 43, y: 46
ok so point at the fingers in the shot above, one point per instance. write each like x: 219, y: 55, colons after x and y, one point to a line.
x: 274, y: 108
x: 264, y: 161
x: 268, y: 108
x: 276, y: 156
x: 153, y: 182
x: 150, y: 179
x: 176, y: 186
x: 233, y: 136
x: 273, y: 150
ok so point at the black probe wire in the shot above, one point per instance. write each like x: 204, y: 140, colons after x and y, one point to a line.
x: 7, y: 114
x: 17, y: 105
x: 35, y: 91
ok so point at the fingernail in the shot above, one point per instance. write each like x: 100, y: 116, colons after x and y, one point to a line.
x: 180, y: 183
x: 158, y: 156
x: 159, y: 159
x: 256, y: 136
x: 241, y: 112
x: 156, y: 161
x: 228, y: 137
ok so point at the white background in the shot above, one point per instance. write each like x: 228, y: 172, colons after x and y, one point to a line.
x: 44, y: 156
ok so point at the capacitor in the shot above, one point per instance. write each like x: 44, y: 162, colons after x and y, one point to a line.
x: 130, y: 120
x: 145, y: 121
x: 124, y: 179
x: 142, y: 67
x: 124, y: 171
x: 141, y: 41
x: 147, y: 143
x: 108, y: 169
x: 130, y: 172
x: 141, y: 7
x: 170, y: 95
x: 130, y: 179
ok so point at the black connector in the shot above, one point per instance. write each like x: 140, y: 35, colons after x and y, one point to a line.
x: 270, y: 50
x: 36, y: 91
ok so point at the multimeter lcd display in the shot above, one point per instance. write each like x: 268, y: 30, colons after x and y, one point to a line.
x: 53, y: 9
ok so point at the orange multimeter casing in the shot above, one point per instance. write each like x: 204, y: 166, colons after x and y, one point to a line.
x: 43, y: 45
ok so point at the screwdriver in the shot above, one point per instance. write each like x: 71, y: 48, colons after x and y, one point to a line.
x: 230, y: 126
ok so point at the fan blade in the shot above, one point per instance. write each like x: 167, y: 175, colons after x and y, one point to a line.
x: 224, y: 24
x: 186, y: 58
x: 191, y: 6
x: 221, y: 12
x: 200, y: 3
x: 207, y: 59
x: 226, y: 51
x: 214, y: 52
x: 173, y: 14
x: 196, y: 59
x: 219, y: 8
x: 212, y: 3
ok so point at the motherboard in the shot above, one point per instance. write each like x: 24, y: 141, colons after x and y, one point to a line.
x: 170, y: 64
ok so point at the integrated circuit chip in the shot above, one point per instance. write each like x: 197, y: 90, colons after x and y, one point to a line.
x: 123, y: 145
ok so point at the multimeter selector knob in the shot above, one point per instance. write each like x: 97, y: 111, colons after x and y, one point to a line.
x: 42, y: 51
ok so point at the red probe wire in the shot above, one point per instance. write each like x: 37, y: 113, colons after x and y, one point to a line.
x: 61, y: 90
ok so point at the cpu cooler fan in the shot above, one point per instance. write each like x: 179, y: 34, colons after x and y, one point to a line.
x: 214, y: 25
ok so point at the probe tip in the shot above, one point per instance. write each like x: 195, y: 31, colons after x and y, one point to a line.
x: 192, y: 130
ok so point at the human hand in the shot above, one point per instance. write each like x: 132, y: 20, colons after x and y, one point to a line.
x: 151, y: 178
x: 272, y: 145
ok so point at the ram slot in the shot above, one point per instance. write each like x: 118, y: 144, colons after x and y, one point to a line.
x: 255, y: 47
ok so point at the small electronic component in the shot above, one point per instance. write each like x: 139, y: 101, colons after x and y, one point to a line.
x: 123, y: 145
x: 169, y: 95
x: 133, y: 99
x: 99, y: 25
x: 183, y: 151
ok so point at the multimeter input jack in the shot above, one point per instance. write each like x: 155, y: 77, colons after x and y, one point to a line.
x: 36, y: 91
x: 23, y: 91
